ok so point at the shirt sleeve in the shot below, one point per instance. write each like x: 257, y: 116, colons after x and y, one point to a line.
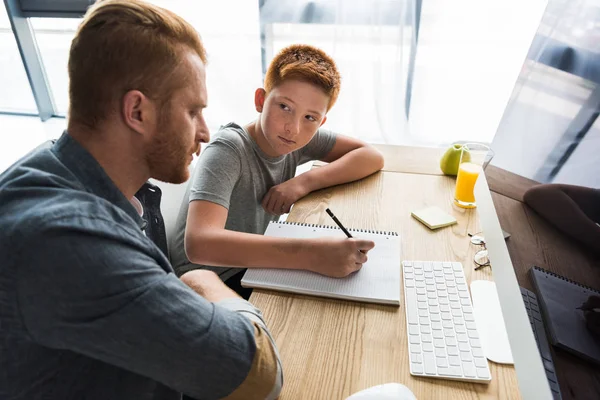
x: 101, y: 293
x: 319, y: 146
x: 216, y: 173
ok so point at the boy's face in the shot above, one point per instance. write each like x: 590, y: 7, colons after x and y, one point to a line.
x: 290, y: 116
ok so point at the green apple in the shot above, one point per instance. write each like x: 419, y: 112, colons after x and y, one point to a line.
x: 451, y: 159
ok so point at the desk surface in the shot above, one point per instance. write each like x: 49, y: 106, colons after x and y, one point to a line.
x: 331, y: 349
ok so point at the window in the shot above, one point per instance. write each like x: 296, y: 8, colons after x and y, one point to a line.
x: 53, y: 37
x: 15, y: 93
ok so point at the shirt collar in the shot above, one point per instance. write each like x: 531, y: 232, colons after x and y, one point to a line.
x: 91, y: 175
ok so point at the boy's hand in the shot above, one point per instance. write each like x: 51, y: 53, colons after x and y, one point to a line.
x: 338, y: 258
x: 279, y: 198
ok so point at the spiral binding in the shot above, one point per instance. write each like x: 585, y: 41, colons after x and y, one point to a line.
x: 388, y: 233
x: 566, y: 279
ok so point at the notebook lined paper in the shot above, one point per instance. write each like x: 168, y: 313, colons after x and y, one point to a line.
x: 378, y: 281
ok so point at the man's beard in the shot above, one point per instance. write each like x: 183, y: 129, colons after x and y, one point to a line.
x: 167, y: 157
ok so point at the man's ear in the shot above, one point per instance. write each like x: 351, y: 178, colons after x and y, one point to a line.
x: 259, y: 99
x: 324, y: 119
x: 138, y: 111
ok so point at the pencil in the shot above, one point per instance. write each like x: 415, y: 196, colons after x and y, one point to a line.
x: 337, y: 221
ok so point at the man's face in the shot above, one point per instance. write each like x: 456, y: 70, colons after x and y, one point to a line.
x: 291, y: 114
x: 181, y: 126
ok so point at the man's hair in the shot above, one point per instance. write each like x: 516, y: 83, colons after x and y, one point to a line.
x: 126, y: 45
x: 308, y: 64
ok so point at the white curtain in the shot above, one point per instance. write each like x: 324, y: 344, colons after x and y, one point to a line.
x: 370, y: 42
x: 550, y: 130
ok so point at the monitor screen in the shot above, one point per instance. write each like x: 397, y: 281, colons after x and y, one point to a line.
x: 545, y: 185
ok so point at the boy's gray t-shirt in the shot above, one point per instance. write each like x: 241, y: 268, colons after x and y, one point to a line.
x: 236, y: 174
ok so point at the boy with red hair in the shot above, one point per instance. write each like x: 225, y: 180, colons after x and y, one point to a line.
x: 245, y: 178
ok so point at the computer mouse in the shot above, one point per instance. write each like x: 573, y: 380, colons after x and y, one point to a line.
x: 387, y: 391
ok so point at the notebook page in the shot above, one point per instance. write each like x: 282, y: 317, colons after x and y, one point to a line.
x: 378, y: 281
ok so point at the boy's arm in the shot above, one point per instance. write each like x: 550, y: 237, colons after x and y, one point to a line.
x: 350, y: 159
x: 208, y: 242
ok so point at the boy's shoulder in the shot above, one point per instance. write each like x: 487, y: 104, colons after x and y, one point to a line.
x: 233, y: 136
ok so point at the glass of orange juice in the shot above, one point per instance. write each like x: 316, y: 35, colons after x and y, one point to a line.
x: 474, y: 157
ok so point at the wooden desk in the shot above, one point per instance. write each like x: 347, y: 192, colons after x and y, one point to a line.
x: 331, y: 349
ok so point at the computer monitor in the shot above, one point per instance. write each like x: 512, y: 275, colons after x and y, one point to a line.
x: 549, y: 133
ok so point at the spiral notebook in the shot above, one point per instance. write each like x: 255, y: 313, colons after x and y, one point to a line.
x: 378, y: 281
x: 559, y: 299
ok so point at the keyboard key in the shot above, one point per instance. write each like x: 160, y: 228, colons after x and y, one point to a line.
x: 464, y: 295
x: 461, y: 280
x: 421, y: 297
x: 423, y: 312
x: 423, y: 321
x: 452, y: 290
x: 456, y: 312
x: 443, y: 300
x: 483, y: 373
x: 447, y: 323
x: 408, y: 264
x: 437, y: 334
x: 413, y: 329
x: 440, y: 352
x: 464, y: 346
x: 441, y: 362
x: 408, y: 275
x: 428, y: 274
x: 436, y: 325
x: 446, y: 317
x: 434, y: 309
x: 472, y: 334
x: 422, y: 305
x: 450, y: 371
x: 460, y: 329
x: 461, y: 287
x: 459, y: 321
x: 465, y: 302
x: 477, y: 352
x: 440, y: 282
x: 419, y: 278
x: 437, y: 267
x: 429, y: 363
x: 426, y: 338
x: 409, y: 283
x: 452, y: 350
x: 432, y: 295
x: 416, y: 368
x: 415, y: 348
x: 451, y: 285
x: 453, y: 297
x: 457, y: 267
x: 428, y: 268
x: 414, y: 339
x: 435, y: 317
x: 425, y: 329
x: 466, y: 356
x: 429, y: 281
x: 449, y: 332
x: 433, y: 302
x: 480, y: 362
x: 467, y: 309
x: 469, y: 369
x: 451, y: 341
x: 427, y: 347
x: 421, y: 291
x: 475, y: 343
x: 469, y: 317
x: 439, y: 343
x: 471, y: 325
x: 408, y: 268
x: 463, y: 338
x: 416, y: 358
x: 444, y: 307
x: 455, y: 361
x: 455, y: 306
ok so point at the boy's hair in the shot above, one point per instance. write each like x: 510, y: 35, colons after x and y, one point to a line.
x: 124, y: 45
x: 305, y: 63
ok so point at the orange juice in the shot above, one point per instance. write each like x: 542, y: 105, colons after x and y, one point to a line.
x: 465, y: 184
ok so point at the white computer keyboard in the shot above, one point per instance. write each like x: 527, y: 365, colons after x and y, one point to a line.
x: 442, y: 337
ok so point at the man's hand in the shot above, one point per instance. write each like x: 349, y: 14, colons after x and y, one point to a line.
x: 338, y: 258
x: 208, y: 285
x: 279, y: 198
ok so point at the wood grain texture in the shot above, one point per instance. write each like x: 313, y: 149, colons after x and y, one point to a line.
x: 330, y: 348
x: 409, y: 159
x: 534, y: 241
